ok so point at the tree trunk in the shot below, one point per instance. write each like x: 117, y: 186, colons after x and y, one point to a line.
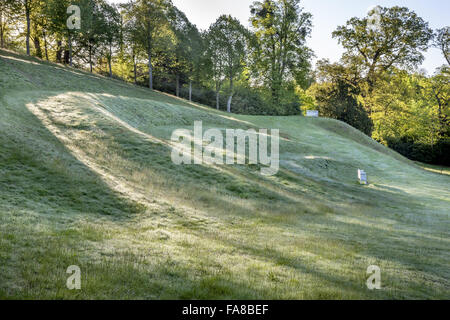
x: 121, y: 42
x: 149, y: 52
x: 135, y: 68
x: 229, y: 103
x: 231, y: 95
x: 441, y: 116
x: 109, y: 61
x: 275, y: 88
x: 90, y: 57
x: 37, y: 46
x: 45, y: 44
x: 27, y: 14
x: 70, y: 50
x: 59, y: 51
x: 190, y: 90
x: 218, y: 96
x: 217, y: 100
x: 177, y: 89
x: 150, y: 68
x: 445, y: 51
x: 2, y: 43
x: 66, y: 57
x: 274, y: 94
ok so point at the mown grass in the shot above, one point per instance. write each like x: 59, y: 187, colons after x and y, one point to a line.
x: 86, y: 179
x: 434, y: 168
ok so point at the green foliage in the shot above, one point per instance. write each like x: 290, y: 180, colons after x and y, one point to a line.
x: 337, y: 96
x: 86, y: 179
x: 398, y: 41
x: 409, y: 111
x: 436, y: 153
x: 262, y: 71
x: 8, y: 18
x: 185, y: 56
x: 144, y: 41
x: 442, y: 42
x: 411, y: 115
x: 280, y: 54
x: 307, y: 99
x: 56, y: 13
x: 149, y: 23
x: 227, y: 51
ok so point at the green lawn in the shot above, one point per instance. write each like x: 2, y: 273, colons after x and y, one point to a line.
x: 434, y: 168
x: 86, y: 179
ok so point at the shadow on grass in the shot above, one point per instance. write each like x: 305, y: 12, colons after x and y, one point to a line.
x: 55, y: 184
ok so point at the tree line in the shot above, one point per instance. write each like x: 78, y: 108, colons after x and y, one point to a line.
x: 378, y: 88
x: 265, y: 69
x: 153, y: 43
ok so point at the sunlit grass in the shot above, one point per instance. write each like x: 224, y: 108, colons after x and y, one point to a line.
x: 86, y: 179
x: 434, y: 168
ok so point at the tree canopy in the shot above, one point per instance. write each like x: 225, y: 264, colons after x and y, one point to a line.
x: 399, y: 40
x: 265, y: 69
x: 280, y: 55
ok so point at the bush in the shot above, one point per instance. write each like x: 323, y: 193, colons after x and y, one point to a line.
x: 337, y: 102
x: 245, y: 100
x: 250, y: 101
x: 438, y: 153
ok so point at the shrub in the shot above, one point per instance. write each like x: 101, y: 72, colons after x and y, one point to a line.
x: 336, y: 101
x: 437, y: 153
x: 245, y: 100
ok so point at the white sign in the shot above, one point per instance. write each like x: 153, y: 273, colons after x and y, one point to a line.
x: 312, y: 113
x: 362, y: 176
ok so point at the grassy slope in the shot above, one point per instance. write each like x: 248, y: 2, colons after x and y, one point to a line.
x: 434, y: 168
x: 86, y: 179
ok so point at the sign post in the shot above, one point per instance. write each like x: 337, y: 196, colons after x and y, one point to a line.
x: 312, y: 113
x: 362, y: 176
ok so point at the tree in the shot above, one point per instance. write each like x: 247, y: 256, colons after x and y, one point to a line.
x: 131, y: 34
x: 39, y: 24
x: 27, y: 4
x: 336, y: 95
x: 228, y: 49
x: 28, y: 7
x: 187, y: 46
x: 397, y: 41
x: 440, y: 93
x: 56, y: 15
x: 93, y: 26
x: 197, y: 59
x: 7, y: 17
x: 216, y: 57
x: 281, y: 28
x: 149, y: 17
x: 411, y: 114
x: 442, y: 42
x: 111, y: 29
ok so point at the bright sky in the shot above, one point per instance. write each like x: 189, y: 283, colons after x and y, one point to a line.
x: 327, y: 15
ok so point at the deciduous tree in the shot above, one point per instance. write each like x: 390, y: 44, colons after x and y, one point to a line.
x: 397, y: 40
x: 281, y: 28
x: 442, y: 42
x: 227, y: 50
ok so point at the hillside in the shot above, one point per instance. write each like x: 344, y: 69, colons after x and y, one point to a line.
x: 86, y: 179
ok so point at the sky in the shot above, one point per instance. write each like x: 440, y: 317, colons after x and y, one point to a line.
x: 327, y: 15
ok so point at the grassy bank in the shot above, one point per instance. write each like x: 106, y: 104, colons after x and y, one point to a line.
x: 86, y: 179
